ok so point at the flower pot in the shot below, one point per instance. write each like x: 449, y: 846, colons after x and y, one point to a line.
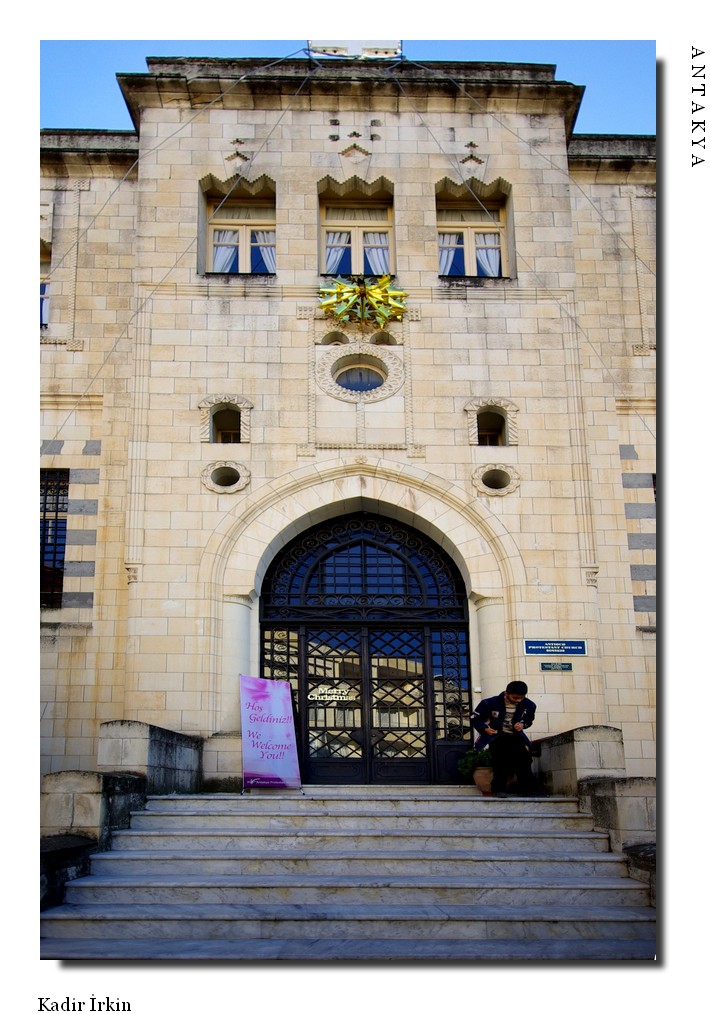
x: 483, y: 779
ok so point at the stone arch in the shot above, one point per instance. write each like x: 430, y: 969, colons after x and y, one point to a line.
x: 242, y: 546
x: 246, y: 540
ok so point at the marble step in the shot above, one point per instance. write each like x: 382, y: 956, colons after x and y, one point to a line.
x: 360, y: 791
x: 334, y: 949
x: 326, y: 839
x: 467, y: 802
x: 413, y: 922
x: 244, y: 889
x: 353, y: 861
x: 356, y: 819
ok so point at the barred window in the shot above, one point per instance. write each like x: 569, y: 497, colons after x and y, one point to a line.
x: 54, y: 498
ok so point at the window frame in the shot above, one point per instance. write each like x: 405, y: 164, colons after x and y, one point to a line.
x: 242, y: 227
x: 357, y: 227
x: 470, y: 230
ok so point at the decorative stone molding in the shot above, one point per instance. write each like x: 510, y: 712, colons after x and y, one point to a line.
x: 495, y: 480
x: 132, y: 572
x: 71, y: 344
x: 207, y: 408
x: 348, y: 334
x: 225, y: 476
x: 592, y: 576
x: 501, y: 405
x: 330, y: 189
x: 498, y: 188
x: 359, y: 351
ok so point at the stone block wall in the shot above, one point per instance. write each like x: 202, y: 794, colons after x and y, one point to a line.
x: 625, y: 807
x: 89, y: 803
x: 169, y: 761
x: 581, y: 753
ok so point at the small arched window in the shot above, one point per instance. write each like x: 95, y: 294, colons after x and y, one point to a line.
x: 227, y: 426
x: 225, y: 419
x: 491, y: 429
x: 492, y: 422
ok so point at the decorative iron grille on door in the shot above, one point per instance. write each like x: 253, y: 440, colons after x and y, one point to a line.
x: 367, y: 619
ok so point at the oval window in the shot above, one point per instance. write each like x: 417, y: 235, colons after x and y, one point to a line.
x: 359, y: 377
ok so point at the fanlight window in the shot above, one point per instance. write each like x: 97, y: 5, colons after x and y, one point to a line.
x: 365, y: 568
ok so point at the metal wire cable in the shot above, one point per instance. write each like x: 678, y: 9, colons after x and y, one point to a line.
x: 179, y: 257
x: 568, y: 313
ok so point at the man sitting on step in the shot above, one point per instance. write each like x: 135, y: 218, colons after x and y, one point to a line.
x: 501, y: 722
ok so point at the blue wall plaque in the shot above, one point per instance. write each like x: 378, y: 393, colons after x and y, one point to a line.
x: 563, y: 647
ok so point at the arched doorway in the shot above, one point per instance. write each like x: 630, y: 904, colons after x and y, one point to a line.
x: 368, y: 620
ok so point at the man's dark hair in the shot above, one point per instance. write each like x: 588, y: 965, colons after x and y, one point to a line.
x: 517, y: 687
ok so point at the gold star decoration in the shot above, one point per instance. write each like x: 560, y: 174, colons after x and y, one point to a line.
x: 368, y: 301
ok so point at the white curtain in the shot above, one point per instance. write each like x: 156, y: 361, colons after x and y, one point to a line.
x: 225, y: 258
x: 488, y: 254
x: 376, y: 252
x: 448, y: 242
x: 336, y: 213
x: 336, y: 244
x: 265, y: 240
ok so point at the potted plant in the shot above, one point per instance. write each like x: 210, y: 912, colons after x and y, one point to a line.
x: 478, y: 764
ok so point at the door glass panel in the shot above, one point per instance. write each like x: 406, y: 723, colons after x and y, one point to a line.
x: 398, y: 696
x: 333, y: 694
x: 452, y: 693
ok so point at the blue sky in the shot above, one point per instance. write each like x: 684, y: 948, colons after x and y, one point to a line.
x: 78, y: 87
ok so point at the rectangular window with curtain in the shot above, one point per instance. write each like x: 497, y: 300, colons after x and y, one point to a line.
x: 242, y: 239
x: 471, y: 242
x: 356, y: 240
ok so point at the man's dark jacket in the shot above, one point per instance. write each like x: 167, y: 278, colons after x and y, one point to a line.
x: 491, y: 712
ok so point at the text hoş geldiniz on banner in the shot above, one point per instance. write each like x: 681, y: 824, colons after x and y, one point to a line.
x: 269, y: 750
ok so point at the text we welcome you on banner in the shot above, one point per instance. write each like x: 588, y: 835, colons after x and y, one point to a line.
x: 268, y: 735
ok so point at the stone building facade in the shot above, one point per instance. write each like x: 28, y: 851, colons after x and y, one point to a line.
x: 391, y: 513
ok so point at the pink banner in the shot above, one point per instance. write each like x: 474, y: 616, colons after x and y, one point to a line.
x: 268, y: 734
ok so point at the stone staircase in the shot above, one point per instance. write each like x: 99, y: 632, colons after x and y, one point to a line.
x: 355, y: 873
